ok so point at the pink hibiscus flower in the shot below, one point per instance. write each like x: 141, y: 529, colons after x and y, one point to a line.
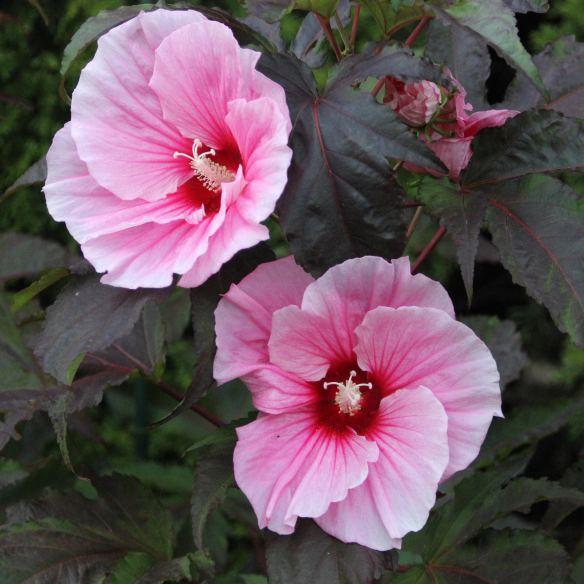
x: 176, y: 151
x: 452, y: 128
x: 370, y: 394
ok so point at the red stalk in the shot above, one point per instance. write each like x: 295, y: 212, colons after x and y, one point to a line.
x: 328, y: 31
x: 428, y: 249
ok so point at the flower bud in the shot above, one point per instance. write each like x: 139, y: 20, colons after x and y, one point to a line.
x: 415, y: 103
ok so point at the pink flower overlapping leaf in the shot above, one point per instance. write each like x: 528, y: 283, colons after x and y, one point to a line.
x: 175, y: 153
x: 370, y: 394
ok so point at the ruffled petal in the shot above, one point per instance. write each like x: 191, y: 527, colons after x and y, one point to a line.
x: 306, y: 344
x: 116, y: 118
x: 276, y: 391
x: 215, y: 70
x: 487, y: 119
x: 89, y: 210
x: 409, y: 347
x: 234, y: 234
x: 396, y: 498
x: 299, y: 469
x: 146, y: 256
x: 454, y: 153
x: 243, y: 318
x: 263, y: 146
x: 345, y: 293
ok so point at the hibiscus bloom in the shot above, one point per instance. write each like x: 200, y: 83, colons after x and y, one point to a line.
x: 452, y: 128
x: 370, y: 394
x: 175, y: 153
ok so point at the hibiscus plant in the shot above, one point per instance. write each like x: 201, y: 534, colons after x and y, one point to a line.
x: 279, y: 335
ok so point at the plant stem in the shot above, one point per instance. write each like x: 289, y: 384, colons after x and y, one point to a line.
x: 328, y: 31
x: 201, y: 410
x: 401, y: 25
x: 414, y: 222
x: 418, y: 30
x: 377, y: 87
x: 428, y: 249
x: 355, y: 26
x: 341, y: 29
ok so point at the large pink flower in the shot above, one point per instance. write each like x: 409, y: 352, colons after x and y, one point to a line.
x: 370, y: 394
x: 176, y: 151
x: 453, y: 129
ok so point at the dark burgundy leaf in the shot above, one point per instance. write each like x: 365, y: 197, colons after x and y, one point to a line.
x: 494, y: 23
x: 213, y: 476
x: 504, y: 342
x: 310, y: 555
x: 70, y: 539
x: 537, y: 224
x: 88, y: 317
x: 25, y: 256
x: 562, y: 68
x: 532, y: 142
x: 204, y: 300
x: 462, y: 215
x: 341, y: 200
x: 465, y: 54
x: 36, y: 174
x: 528, y: 5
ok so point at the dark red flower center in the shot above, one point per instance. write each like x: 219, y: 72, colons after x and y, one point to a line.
x: 349, y: 398
x: 211, y: 168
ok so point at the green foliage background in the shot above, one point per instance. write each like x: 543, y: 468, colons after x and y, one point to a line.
x: 117, y: 437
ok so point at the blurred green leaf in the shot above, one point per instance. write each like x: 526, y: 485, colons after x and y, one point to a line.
x: 51, y: 277
x: 95, y: 27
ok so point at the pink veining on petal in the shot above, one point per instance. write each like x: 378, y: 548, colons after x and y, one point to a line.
x: 365, y: 379
x: 300, y: 469
x: 176, y: 152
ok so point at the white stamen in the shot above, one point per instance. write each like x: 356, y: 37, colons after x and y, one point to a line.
x: 348, y: 396
x: 208, y: 172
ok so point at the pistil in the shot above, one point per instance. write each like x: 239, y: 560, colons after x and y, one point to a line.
x: 348, y: 397
x: 210, y: 173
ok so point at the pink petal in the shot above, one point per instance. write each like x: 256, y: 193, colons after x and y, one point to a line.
x: 147, y: 256
x: 116, y: 118
x: 396, y: 498
x: 455, y: 153
x: 276, y: 391
x: 233, y: 234
x: 244, y: 316
x: 263, y: 147
x: 408, y: 347
x: 89, y: 210
x: 306, y: 344
x: 348, y: 291
x: 288, y: 466
x: 487, y: 119
x: 215, y: 70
